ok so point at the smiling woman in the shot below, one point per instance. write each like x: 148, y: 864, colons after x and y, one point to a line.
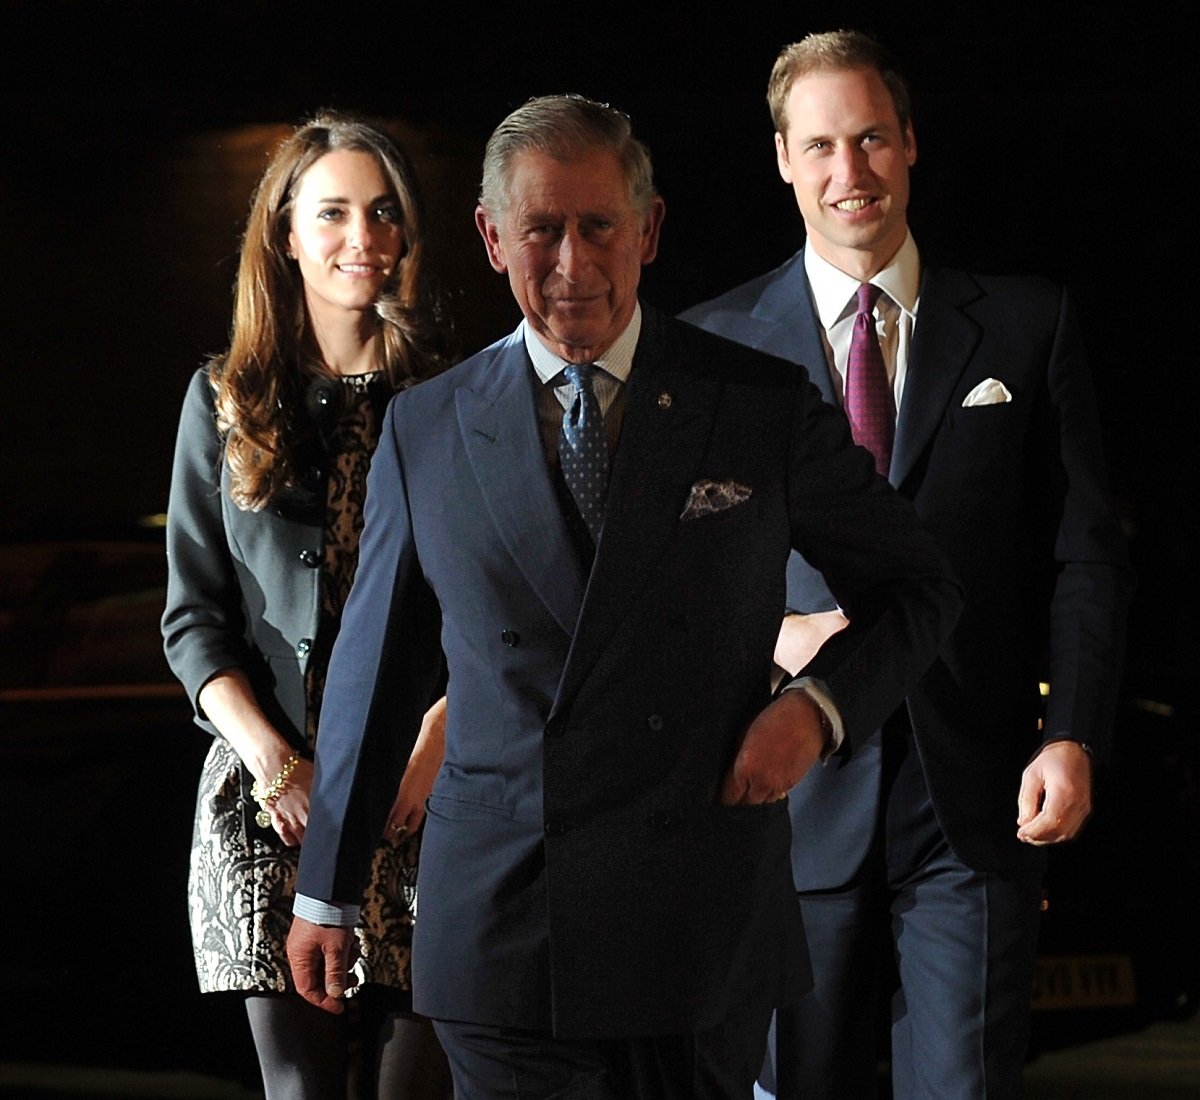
x: 347, y: 237
x: 337, y: 194
x: 334, y: 313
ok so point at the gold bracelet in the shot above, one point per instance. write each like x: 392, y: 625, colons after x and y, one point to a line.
x: 265, y: 797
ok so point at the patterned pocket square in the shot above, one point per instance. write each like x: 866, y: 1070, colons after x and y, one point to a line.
x: 707, y: 497
x: 990, y: 391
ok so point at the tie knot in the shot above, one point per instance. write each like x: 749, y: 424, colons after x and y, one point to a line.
x: 868, y: 295
x: 580, y: 374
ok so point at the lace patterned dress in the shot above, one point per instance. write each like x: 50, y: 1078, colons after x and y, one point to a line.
x: 240, y: 889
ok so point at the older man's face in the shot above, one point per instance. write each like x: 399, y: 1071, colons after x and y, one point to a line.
x: 573, y: 247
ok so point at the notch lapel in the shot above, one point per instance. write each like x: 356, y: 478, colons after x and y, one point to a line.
x: 944, y: 340
x: 789, y: 325
x: 497, y: 417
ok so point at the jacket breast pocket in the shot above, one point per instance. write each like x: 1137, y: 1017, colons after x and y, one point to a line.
x: 727, y: 523
x: 988, y: 426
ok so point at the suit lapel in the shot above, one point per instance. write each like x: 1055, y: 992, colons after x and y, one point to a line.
x: 667, y: 424
x: 944, y: 340
x: 789, y: 325
x: 785, y: 323
x: 498, y: 421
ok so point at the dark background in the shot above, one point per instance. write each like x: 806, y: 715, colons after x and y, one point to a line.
x: 1053, y: 138
x: 1056, y: 138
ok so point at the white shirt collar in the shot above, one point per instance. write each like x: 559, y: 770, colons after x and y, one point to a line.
x: 833, y: 289
x: 617, y: 361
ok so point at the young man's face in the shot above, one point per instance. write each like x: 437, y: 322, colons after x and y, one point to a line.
x: 847, y: 160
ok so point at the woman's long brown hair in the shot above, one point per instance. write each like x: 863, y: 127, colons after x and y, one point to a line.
x: 260, y: 382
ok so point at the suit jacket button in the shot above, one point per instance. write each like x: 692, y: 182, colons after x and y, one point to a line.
x: 310, y: 558
x: 556, y: 828
x: 510, y: 638
x: 303, y: 646
x: 660, y: 819
x: 655, y: 722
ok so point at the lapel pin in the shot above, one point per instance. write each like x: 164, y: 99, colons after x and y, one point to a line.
x: 664, y: 400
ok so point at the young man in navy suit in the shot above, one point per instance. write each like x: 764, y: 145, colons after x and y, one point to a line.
x: 605, y: 888
x: 923, y: 839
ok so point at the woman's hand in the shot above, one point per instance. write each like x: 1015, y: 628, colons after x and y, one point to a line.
x: 228, y: 701
x: 289, y: 811
x: 408, y: 810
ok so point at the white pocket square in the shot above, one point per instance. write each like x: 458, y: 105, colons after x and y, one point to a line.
x: 991, y: 391
x: 707, y: 497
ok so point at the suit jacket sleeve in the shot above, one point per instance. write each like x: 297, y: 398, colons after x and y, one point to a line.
x: 384, y: 671
x: 879, y: 562
x: 1091, y: 579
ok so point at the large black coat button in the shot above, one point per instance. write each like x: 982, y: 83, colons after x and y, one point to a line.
x: 310, y: 558
x: 303, y: 646
x: 510, y: 638
x: 655, y: 722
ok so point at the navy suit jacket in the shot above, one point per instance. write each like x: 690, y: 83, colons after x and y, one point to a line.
x: 1015, y: 494
x: 577, y: 874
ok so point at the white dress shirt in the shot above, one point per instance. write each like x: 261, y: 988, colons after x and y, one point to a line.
x: 557, y: 394
x: 835, y: 296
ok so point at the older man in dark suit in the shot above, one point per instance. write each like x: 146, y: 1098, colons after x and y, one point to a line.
x: 605, y: 894
x: 923, y: 838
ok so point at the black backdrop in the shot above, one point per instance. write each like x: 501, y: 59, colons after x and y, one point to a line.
x: 1053, y: 138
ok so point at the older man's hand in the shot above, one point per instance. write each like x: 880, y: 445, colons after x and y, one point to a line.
x: 779, y: 746
x: 320, y: 961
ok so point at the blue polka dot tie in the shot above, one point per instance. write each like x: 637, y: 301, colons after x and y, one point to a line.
x: 868, y: 398
x: 583, y: 449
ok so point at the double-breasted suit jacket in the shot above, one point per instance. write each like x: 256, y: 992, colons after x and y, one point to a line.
x: 1015, y: 494
x: 577, y: 874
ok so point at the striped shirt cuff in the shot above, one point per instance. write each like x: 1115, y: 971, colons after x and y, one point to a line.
x: 817, y: 691
x: 325, y: 912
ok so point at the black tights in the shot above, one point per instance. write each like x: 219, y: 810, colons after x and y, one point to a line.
x: 372, y: 1050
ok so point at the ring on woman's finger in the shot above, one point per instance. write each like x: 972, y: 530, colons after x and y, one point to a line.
x: 400, y: 828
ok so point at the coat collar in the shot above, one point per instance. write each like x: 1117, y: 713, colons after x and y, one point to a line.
x: 790, y: 327
x: 944, y: 340
x: 668, y: 416
x: 497, y: 419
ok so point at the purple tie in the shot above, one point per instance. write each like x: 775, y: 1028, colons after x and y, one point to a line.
x: 868, y: 395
